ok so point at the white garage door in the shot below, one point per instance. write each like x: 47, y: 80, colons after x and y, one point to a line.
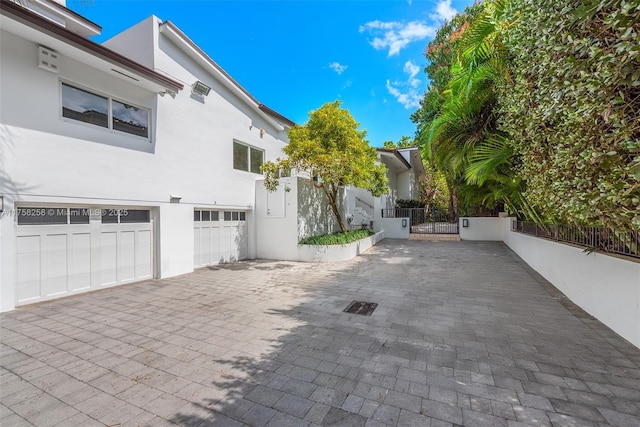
x: 64, y: 250
x: 219, y: 236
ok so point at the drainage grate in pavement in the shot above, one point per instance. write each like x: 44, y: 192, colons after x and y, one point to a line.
x: 361, y: 307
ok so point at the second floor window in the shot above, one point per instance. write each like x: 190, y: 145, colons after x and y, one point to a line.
x: 247, y: 158
x: 88, y: 107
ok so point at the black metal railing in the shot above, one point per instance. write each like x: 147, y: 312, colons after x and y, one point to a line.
x: 626, y: 242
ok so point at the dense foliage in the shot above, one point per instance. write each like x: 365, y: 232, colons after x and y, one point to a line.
x: 331, y: 151
x: 336, y: 238
x: 537, y: 104
x: 572, y: 107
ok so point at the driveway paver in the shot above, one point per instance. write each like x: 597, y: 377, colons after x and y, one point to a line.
x: 465, y: 333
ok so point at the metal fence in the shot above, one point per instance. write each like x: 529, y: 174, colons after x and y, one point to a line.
x: 625, y: 242
x: 425, y: 221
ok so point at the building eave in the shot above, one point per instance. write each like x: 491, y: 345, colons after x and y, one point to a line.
x: 78, y: 47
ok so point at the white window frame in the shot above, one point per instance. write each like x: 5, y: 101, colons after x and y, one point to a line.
x: 250, y: 148
x: 110, y: 100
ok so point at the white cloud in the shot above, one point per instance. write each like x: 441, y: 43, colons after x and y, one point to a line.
x: 444, y: 11
x: 396, y: 35
x: 337, y: 67
x: 407, y: 92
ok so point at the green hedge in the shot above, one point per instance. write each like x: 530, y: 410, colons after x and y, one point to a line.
x: 336, y: 238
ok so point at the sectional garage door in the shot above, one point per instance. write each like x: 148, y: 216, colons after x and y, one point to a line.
x: 219, y: 236
x: 63, y: 250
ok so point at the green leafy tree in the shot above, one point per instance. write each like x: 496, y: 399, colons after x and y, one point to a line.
x: 441, y: 54
x: 404, y: 142
x: 331, y: 151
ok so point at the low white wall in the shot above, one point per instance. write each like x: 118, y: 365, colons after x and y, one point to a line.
x: 392, y: 227
x: 487, y: 229
x: 605, y: 286
x: 332, y: 253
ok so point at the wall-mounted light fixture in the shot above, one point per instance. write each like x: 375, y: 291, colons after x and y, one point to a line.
x: 404, y: 222
x: 1, y: 204
x: 200, y: 88
x: 174, y: 198
x: 465, y: 222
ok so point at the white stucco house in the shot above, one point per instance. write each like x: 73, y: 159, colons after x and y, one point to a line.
x: 404, y: 170
x: 120, y: 162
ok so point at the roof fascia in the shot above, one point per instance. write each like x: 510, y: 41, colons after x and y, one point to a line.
x: 45, y: 26
x: 90, y: 28
x: 396, y: 154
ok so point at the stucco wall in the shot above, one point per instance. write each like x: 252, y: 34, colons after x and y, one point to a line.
x: 488, y: 229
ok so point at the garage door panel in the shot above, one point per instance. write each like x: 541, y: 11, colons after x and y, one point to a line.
x: 143, y: 255
x: 216, y: 256
x: 196, y: 246
x: 225, y: 243
x: 54, y: 277
x: 205, y: 246
x: 127, y: 256
x: 80, y: 262
x: 109, y: 257
x: 29, y: 267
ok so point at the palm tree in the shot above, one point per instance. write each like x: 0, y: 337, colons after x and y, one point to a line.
x: 464, y: 137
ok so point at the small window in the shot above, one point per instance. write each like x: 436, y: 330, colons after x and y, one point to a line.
x: 78, y: 104
x: 130, y: 119
x: 206, y: 215
x: 129, y: 216
x: 78, y: 216
x: 109, y: 216
x: 227, y: 216
x: 242, y: 216
x: 42, y: 216
x: 235, y: 216
x: 215, y: 216
x: 196, y: 215
x: 247, y: 158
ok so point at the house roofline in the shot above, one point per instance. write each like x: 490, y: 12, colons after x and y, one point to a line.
x: 26, y: 17
x: 395, y: 152
x: 278, y: 120
x: 63, y: 10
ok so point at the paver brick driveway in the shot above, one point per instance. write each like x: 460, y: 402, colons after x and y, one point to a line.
x: 464, y: 333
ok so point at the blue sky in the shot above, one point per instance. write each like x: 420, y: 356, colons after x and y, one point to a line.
x: 296, y: 55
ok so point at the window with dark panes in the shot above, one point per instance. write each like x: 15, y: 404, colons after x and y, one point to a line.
x: 206, y: 215
x: 227, y: 216
x: 129, y: 216
x: 78, y: 104
x: 240, y: 157
x: 257, y: 158
x: 88, y: 107
x: 196, y: 215
x: 78, y: 216
x: 130, y: 119
x: 41, y: 216
x: 247, y: 158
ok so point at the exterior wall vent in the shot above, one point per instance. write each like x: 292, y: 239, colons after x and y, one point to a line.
x: 200, y: 89
x: 48, y: 59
